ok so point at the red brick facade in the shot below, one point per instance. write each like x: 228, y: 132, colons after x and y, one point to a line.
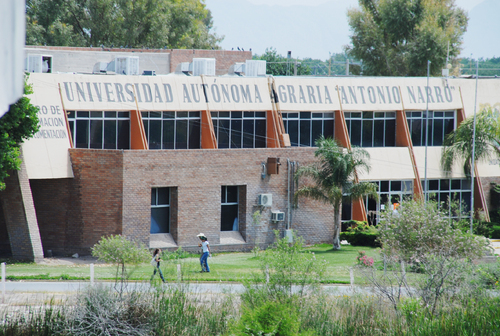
x: 111, y: 194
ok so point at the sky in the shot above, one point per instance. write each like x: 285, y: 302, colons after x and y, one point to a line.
x: 320, y: 28
x: 465, y: 4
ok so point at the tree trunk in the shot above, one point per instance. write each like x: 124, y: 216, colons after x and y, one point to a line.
x: 336, y: 227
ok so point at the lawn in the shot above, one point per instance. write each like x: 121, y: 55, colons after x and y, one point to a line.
x: 223, y: 266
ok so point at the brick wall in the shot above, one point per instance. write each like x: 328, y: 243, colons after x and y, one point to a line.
x: 98, y: 194
x: 223, y: 58
x: 58, y: 215
x: 4, y: 236
x: 111, y: 194
x: 20, y: 216
x: 199, y: 175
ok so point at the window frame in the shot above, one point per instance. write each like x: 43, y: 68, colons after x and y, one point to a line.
x: 236, y: 135
x: 192, y: 119
x: 305, y: 128
x: 368, y: 128
x: 161, y: 206
x: 121, y: 119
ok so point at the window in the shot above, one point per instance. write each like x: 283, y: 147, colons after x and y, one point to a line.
x: 456, y: 190
x: 100, y: 130
x: 441, y: 123
x: 240, y: 129
x: 229, y: 208
x: 172, y: 130
x: 389, y: 192
x: 371, y: 129
x: 160, y: 210
x: 304, y: 128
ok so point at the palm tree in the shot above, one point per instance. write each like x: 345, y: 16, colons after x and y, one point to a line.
x: 333, y: 176
x: 458, y: 144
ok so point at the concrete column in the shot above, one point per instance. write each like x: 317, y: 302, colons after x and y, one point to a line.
x: 20, y: 217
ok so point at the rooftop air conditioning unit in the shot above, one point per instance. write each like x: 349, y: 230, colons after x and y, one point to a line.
x: 185, y: 68
x: 237, y: 69
x: 255, y: 68
x: 39, y: 63
x: 100, y: 67
x: 204, y: 66
x: 266, y: 200
x: 277, y: 216
x: 127, y: 65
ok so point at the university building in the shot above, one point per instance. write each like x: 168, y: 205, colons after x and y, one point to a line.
x: 161, y: 158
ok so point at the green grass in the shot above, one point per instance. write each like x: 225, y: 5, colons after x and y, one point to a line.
x: 223, y: 266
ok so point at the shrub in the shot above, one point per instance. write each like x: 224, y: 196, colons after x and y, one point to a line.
x: 479, y: 227
x: 120, y: 251
x: 284, y: 265
x: 101, y: 311
x: 495, y: 232
x: 361, y: 235
x: 420, y: 228
x: 271, y: 318
x: 176, y: 255
x: 363, y: 260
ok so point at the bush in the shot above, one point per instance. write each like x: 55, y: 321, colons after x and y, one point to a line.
x: 284, y: 265
x: 479, y: 227
x: 420, y: 228
x: 271, y: 318
x: 120, y: 251
x: 495, y: 232
x: 101, y: 311
x: 361, y: 235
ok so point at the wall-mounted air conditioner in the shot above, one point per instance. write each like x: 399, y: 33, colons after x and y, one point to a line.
x: 277, y: 216
x: 127, y: 65
x: 266, y: 200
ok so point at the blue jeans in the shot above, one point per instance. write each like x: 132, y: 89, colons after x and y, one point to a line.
x: 204, y: 263
x: 157, y: 268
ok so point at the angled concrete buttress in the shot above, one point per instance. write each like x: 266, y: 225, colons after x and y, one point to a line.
x: 20, y: 217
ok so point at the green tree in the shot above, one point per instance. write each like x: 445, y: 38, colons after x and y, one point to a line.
x: 132, y: 23
x: 118, y: 250
x: 398, y: 37
x: 421, y: 228
x: 487, y: 66
x: 278, y: 65
x: 18, y: 124
x: 335, y: 175
x: 458, y: 144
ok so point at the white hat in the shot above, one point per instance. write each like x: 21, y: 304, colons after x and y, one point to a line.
x: 200, y: 235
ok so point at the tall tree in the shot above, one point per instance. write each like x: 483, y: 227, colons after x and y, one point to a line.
x: 458, y: 144
x: 398, y: 37
x: 333, y: 176
x: 18, y: 124
x: 278, y: 65
x: 133, y: 23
